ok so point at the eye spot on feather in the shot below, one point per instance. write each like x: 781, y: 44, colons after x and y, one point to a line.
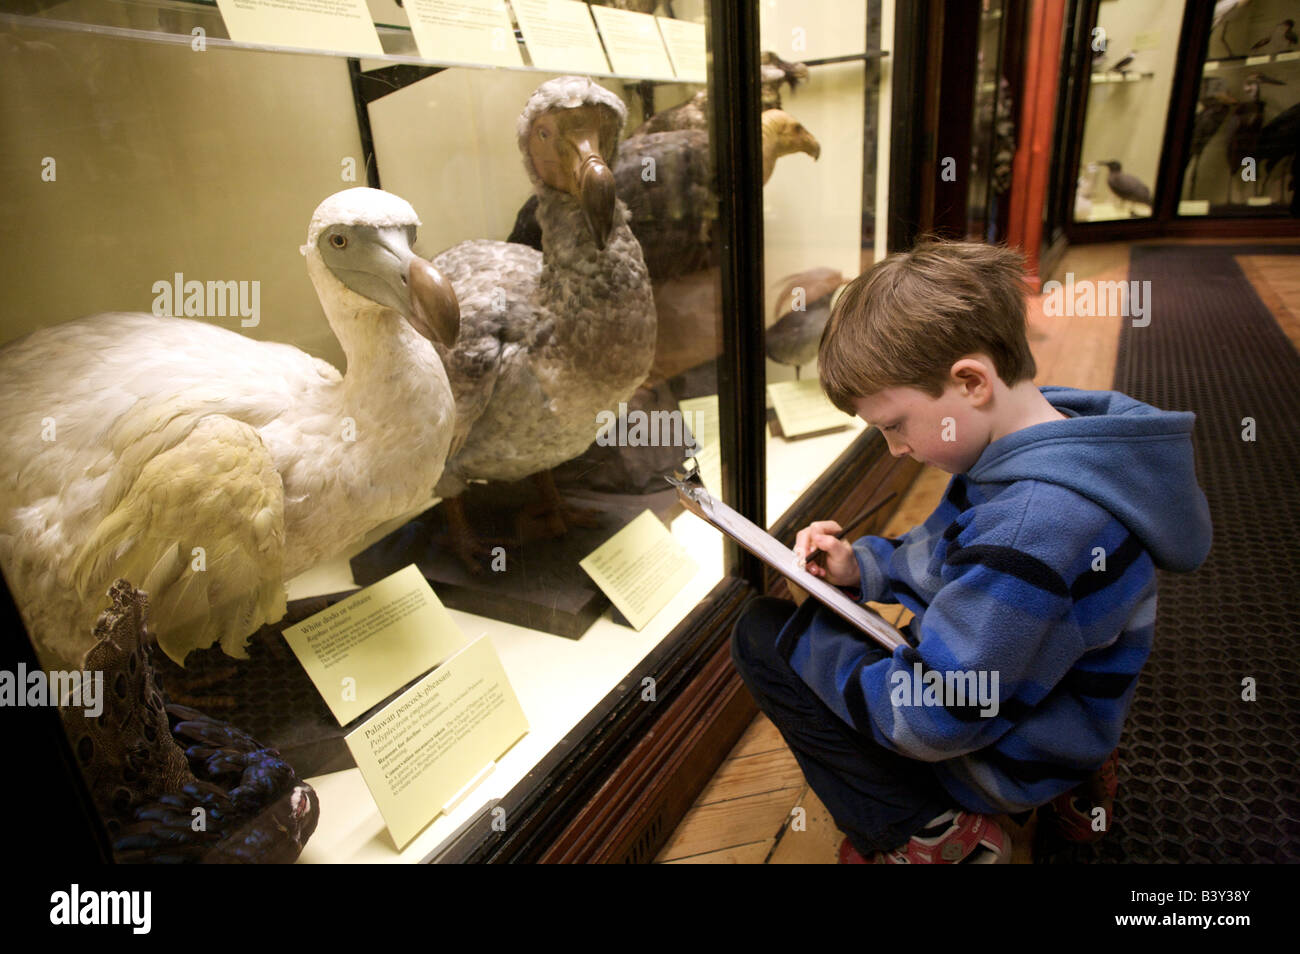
x: 85, y: 749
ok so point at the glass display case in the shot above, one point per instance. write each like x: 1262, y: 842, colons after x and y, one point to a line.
x: 825, y: 208
x: 1174, y: 119
x: 1245, y: 128
x: 295, y: 320
x: 1134, y: 46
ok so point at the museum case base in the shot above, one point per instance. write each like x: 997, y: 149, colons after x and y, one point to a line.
x: 534, y: 582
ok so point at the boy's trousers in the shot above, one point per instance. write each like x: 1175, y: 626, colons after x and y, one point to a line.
x: 877, y: 797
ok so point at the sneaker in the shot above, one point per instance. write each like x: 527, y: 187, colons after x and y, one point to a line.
x: 954, y: 837
x: 1071, y: 814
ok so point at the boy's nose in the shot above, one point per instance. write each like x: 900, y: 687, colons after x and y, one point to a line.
x: 898, y: 448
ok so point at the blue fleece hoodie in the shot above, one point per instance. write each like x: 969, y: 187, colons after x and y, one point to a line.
x: 1037, y: 569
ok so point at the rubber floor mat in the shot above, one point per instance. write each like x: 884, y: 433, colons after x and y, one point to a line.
x: 1204, y: 774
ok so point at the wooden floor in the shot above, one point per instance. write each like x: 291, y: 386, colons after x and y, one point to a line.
x: 757, y: 809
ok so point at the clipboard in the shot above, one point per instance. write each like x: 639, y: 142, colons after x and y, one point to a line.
x: 695, y: 497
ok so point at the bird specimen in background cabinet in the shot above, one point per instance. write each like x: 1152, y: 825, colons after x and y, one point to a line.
x: 1244, y: 126
x: 1278, y: 141
x: 549, y: 338
x: 1128, y: 188
x: 206, y: 467
x: 1224, y: 11
x: 1282, y: 39
x: 1124, y: 63
x: 1216, y: 105
x: 694, y: 112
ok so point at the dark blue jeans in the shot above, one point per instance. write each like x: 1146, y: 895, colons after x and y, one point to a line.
x: 877, y: 797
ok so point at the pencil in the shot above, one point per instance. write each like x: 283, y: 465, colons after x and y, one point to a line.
x: 819, y: 556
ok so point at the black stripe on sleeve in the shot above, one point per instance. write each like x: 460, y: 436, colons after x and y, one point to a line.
x: 1117, y: 564
x: 1011, y: 561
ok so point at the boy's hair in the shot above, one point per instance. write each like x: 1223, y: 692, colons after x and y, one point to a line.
x: 906, y: 320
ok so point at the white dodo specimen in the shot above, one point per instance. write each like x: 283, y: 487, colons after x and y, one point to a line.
x: 206, y: 467
x: 548, y: 339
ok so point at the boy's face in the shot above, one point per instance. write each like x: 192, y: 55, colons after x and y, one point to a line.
x: 944, y: 432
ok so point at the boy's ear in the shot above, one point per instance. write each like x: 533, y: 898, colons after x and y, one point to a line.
x: 974, y: 376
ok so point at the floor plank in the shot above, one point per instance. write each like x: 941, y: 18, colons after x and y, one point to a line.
x: 737, y: 821
x: 817, y: 843
x: 1277, y: 282
x: 755, y: 853
x: 752, y: 775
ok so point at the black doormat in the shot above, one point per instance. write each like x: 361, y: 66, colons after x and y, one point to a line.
x: 1205, y: 776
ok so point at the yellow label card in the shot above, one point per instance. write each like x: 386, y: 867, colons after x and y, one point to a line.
x: 633, y: 43
x: 686, y: 47
x: 702, y: 418
x: 640, y: 568
x: 560, y: 36
x: 464, y: 31
x: 368, y: 646
x: 420, y: 751
x: 802, y: 407
x: 341, y: 26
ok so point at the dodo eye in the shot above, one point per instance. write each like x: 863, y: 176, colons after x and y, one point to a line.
x: 339, y: 241
x: 543, y: 134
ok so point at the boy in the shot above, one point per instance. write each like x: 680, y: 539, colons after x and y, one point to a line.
x: 1033, y: 584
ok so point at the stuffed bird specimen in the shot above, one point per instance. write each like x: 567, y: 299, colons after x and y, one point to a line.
x: 1225, y: 10
x: 1244, y: 127
x: 694, y: 113
x: 207, y: 467
x: 548, y: 339
x: 803, y: 308
x: 1127, y: 188
x: 152, y: 769
x: 666, y: 179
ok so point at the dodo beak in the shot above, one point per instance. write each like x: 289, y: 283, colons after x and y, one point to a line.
x: 595, y: 190
x: 435, y: 312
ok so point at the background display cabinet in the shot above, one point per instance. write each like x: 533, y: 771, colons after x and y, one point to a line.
x: 292, y: 308
x: 1176, y: 118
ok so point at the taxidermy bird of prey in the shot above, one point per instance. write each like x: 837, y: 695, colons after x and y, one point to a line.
x: 673, y: 209
x: 1128, y: 188
x: 206, y: 467
x: 694, y: 113
x: 551, y: 338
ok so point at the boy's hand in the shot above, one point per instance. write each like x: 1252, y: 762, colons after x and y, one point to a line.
x: 840, y: 566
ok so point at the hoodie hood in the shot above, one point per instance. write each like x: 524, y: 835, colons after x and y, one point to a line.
x: 1133, y: 459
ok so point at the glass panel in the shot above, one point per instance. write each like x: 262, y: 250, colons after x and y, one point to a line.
x: 993, y: 129
x: 1135, y: 46
x: 1242, y: 146
x: 824, y: 213
x: 203, y: 463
